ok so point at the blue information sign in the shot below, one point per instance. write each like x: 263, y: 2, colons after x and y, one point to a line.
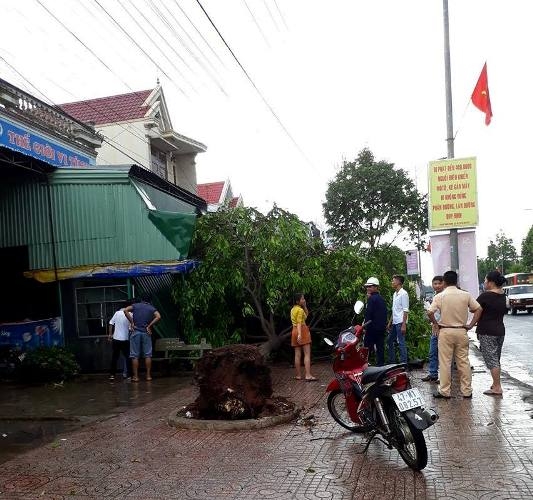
x: 18, y: 139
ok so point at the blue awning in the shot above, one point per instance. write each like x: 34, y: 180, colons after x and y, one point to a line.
x: 132, y: 270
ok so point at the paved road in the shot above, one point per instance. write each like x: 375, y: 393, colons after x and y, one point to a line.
x: 517, y: 355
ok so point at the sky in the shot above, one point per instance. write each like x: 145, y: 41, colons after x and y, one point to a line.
x: 331, y: 77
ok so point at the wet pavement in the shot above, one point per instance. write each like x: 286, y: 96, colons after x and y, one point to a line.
x: 479, y: 449
x: 31, y: 416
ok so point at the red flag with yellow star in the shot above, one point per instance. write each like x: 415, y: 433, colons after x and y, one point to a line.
x: 481, y: 96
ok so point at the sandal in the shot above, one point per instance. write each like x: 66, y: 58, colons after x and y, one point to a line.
x: 490, y: 392
x: 311, y: 379
x: 297, y: 378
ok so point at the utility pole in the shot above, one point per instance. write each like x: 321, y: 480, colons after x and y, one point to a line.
x: 454, y: 251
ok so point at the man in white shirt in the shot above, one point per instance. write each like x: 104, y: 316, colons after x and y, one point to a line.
x: 397, y: 326
x: 119, y: 334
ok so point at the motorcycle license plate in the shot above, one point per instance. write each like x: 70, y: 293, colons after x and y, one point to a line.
x: 411, y: 398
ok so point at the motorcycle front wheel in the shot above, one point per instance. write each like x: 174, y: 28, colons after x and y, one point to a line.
x: 408, y: 440
x: 337, y: 409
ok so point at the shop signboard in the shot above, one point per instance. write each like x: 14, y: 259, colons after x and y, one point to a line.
x: 27, y: 335
x: 20, y: 138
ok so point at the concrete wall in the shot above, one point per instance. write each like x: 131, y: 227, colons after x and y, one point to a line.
x: 185, y: 172
x: 131, y: 139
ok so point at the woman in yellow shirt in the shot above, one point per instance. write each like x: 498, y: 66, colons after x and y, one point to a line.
x: 301, y: 337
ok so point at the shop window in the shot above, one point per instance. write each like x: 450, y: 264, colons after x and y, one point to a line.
x: 96, y: 305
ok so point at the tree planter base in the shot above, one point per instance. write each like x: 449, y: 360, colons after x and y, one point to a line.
x: 287, y: 412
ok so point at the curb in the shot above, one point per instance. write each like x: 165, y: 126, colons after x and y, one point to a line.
x: 229, y: 425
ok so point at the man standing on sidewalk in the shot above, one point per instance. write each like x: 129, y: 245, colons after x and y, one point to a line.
x: 453, y: 305
x: 397, y: 326
x: 145, y: 316
x: 376, y: 313
x: 433, y: 375
x: 119, y: 335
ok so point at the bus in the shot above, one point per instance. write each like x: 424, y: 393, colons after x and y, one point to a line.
x: 519, y: 278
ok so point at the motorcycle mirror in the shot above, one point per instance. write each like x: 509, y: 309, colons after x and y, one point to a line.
x: 329, y: 342
x: 358, y: 307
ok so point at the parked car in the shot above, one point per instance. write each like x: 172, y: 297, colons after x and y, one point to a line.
x: 519, y: 298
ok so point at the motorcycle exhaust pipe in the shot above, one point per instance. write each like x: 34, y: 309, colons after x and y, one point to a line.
x: 422, y: 418
x: 432, y: 415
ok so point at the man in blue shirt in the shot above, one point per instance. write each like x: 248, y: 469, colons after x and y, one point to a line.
x: 145, y: 316
x: 376, y: 312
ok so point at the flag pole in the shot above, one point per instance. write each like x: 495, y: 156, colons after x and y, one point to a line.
x: 454, y: 251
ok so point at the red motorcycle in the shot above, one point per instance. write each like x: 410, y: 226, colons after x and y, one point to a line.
x: 378, y: 400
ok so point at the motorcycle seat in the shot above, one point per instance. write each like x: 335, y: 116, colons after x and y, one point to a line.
x: 373, y: 373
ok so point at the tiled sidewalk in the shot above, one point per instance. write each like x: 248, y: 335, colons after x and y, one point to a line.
x: 480, y: 449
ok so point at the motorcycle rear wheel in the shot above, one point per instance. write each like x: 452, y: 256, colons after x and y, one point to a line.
x: 410, y: 441
x: 337, y: 409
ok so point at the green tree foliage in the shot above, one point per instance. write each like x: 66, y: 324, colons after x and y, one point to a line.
x: 252, y: 264
x: 527, y: 251
x: 484, y: 266
x: 391, y: 257
x: 368, y: 200
x: 501, y: 253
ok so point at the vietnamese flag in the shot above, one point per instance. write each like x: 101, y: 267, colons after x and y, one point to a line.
x: 481, y: 96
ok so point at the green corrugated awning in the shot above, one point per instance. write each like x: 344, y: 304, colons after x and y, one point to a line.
x: 176, y: 227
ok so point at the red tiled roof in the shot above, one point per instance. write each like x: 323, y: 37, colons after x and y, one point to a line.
x: 112, y: 109
x: 211, y: 192
x: 233, y: 202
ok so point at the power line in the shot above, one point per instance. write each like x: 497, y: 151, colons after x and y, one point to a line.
x: 271, y: 16
x: 191, y: 39
x: 281, y: 15
x: 287, y: 133
x: 160, y: 36
x: 213, y: 51
x: 256, y: 23
x: 63, y: 89
x: 106, y: 139
x: 140, y: 47
x: 159, y: 14
x: 83, y: 43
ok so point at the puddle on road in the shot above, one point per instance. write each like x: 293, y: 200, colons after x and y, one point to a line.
x: 19, y: 436
x: 31, y: 416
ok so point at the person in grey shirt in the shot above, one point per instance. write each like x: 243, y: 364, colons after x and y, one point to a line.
x: 142, y: 317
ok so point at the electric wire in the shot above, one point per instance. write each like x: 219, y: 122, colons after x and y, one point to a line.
x: 176, y: 34
x: 99, y: 22
x: 267, y: 104
x: 82, y: 43
x: 159, y: 14
x: 281, y: 15
x: 256, y: 23
x: 271, y: 16
x: 119, y: 26
x: 108, y: 140
x: 160, y: 36
x: 121, y: 148
x: 213, y: 51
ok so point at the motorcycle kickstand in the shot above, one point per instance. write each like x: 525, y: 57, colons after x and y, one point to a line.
x: 374, y: 435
